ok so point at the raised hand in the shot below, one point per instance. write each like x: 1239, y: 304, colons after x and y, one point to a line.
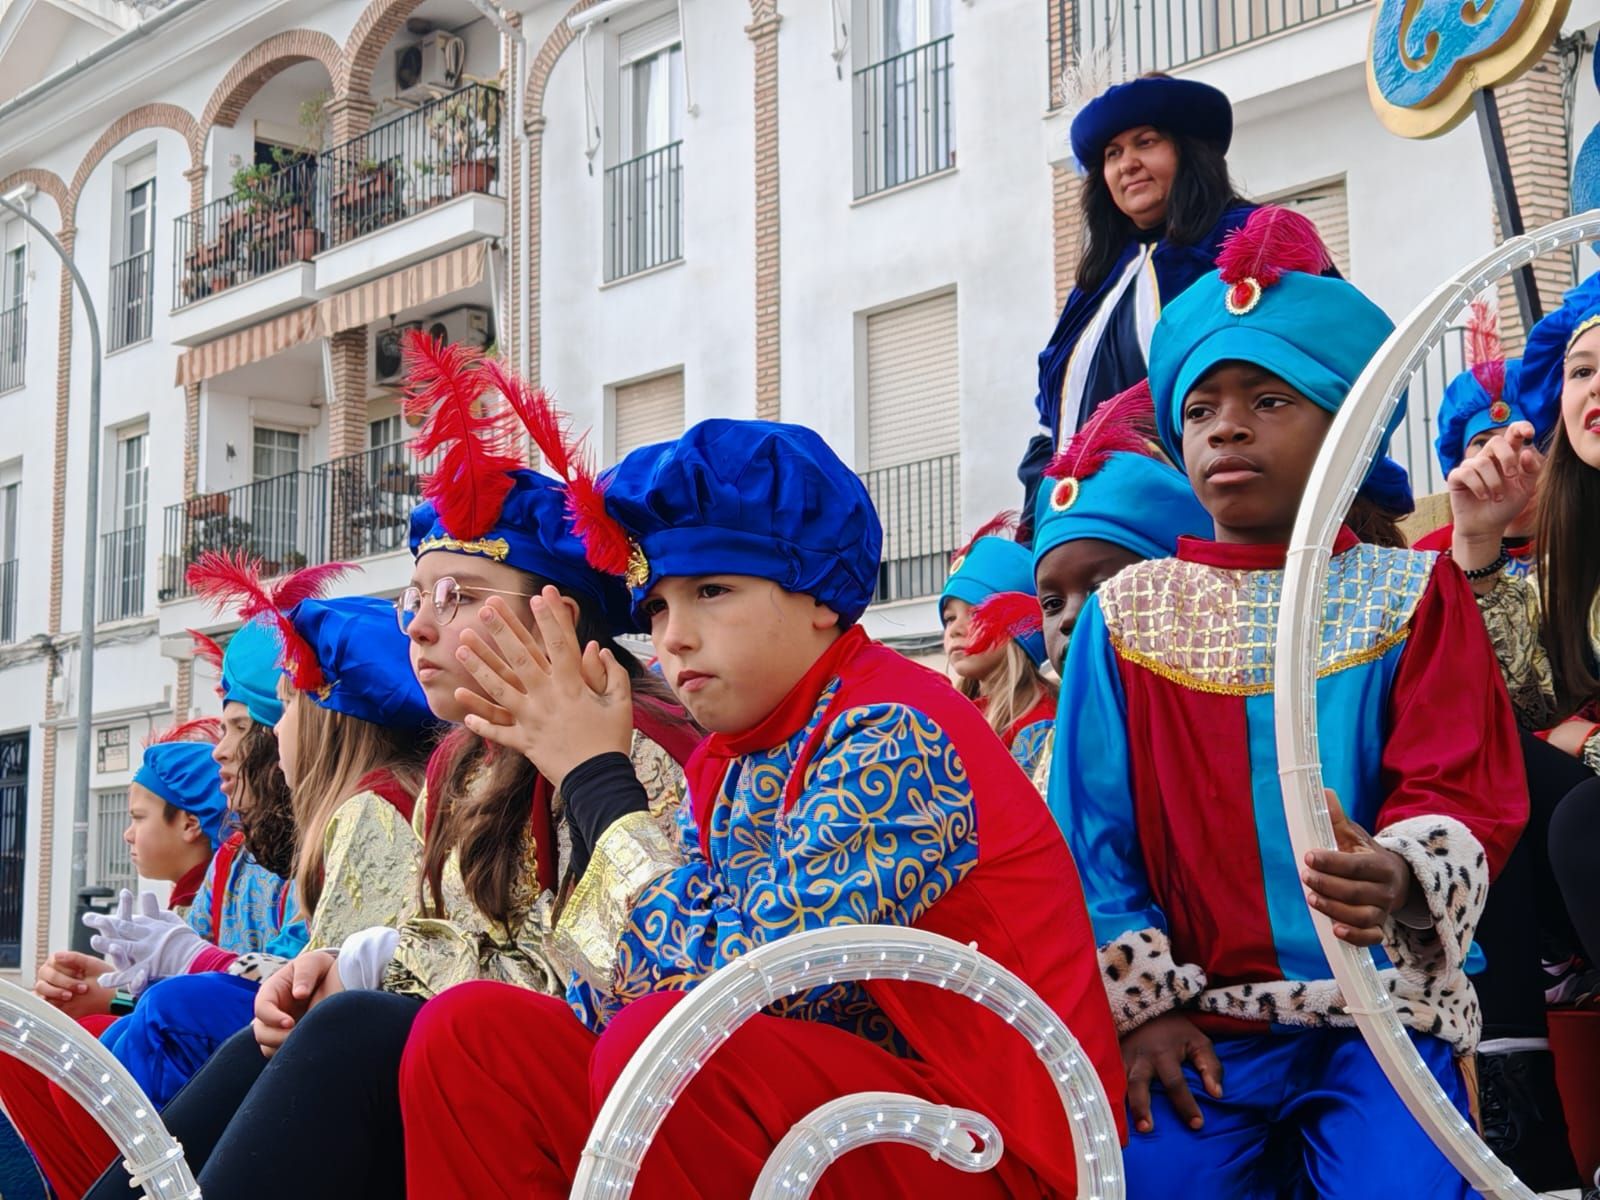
x: 1359, y: 885
x: 1489, y: 490
x: 546, y: 697
x: 143, y: 945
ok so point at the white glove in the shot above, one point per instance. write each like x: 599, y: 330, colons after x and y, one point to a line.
x: 102, y: 923
x: 145, y: 946
x: 364, y: 955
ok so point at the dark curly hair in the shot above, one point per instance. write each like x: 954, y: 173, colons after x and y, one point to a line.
x: 263, y: 806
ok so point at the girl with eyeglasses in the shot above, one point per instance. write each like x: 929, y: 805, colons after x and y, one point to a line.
x: 498, y: 854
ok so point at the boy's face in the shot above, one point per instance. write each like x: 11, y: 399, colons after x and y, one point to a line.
x: 236, y: 723
x: 160, y: 849
x: 957, y: 617
x: 1249, y: 442
x: 1066, y: 577
x: 733, y: 646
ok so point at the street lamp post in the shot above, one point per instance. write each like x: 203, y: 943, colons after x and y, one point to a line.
x: 91, y: 537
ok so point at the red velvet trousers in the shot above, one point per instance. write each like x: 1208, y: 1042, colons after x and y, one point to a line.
x: 499, y: 1088
x: 69, y: 1144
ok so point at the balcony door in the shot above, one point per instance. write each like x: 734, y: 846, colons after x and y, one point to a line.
x: 275, y: 496
x: 644, y: 191
x: 13, y: 295
x: 133, y: 277
x: 122, y: 565
x: 905, y: 117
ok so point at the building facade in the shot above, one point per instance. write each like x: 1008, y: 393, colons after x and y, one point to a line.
x: 856, y: 214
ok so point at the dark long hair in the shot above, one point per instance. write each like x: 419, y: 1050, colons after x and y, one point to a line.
x: 264, y: 807
x: 489, y: 825
x: 1201, y: 192
x: 1375, y: 525
x: 1567, y: 542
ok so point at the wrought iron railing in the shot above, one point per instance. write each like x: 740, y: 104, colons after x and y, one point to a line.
x: 1142, y: 35
x: 8, y: 600
x: 905, y: 118
x: 919, y: 505
x: 644, y: 212
x: 132, y: 300
x: 13, y: 845
x: 351, y: 507
x: 13, y: 345
x: 449, y: 147
x: 266, y: 224
x: 122, y: 574
x: 1413, y: 441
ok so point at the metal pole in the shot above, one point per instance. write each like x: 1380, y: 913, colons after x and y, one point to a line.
x: 1504, y: 187
x: 91, y: 537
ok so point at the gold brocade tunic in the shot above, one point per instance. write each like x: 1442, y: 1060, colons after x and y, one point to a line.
x: 370, y: 857
x: 435, y: 953
x: 1511, y: 613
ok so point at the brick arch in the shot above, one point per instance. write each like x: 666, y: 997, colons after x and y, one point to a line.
x: 373, y: 29
x: 257, y: 68
x: 47, y: 182
x: 544, y: 62
x: 148, y: 116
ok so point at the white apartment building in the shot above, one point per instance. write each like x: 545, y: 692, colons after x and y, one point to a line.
x: 856, y: 214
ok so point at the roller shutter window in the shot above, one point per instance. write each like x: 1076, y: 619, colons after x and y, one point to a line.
x: 648, y: 411
x: 1327, y: 207
x: 913, y: 396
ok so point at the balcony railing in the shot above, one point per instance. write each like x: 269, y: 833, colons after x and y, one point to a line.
x: 13, y: 345
x: 252, y: 232
x: 905, y: 117
x: 122, y: 574
x: 132, y: 300
x: 1413, y: 441
x: 644, y: 212
x: 352, y: 507
x: 1145, y: 36
x: 919, y: 505
x: 8, y: 600
x: 448, y: 147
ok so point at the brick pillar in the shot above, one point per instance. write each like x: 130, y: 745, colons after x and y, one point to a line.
x: 1066, y: 228
x: 183, y: 693
x: 531, y: 269
x: 347, y: 435
x: 349, y: 116
x: 764, y: 33
x: 1533, y: 118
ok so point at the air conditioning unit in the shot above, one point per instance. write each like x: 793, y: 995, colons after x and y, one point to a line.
x: 469, y: 325
x: 427, y: 68
x: 387, y: 355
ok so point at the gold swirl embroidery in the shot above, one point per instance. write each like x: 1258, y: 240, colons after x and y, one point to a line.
x: 497, y: 549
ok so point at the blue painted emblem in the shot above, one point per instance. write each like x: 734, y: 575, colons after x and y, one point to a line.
x: 1418, y: 45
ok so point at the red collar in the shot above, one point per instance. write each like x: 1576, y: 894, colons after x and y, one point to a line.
x: 183, y: 891
x: 795, y: 709
x: 1044, y: 710
x: 1240, y: 556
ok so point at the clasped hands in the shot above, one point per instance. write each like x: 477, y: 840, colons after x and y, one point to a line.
x: 542, y: 693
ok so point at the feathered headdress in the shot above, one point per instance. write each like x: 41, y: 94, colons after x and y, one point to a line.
x: 1124, y: 424
x: 206, y: 730
x: 999, y: 525
x: 234, y: 580
x: 1274, y: 240
x: 1003, y: 616
x: 207, y: 650
x: 1486, y: 357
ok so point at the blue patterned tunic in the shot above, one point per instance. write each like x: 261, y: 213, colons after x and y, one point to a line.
x: 255, y: 907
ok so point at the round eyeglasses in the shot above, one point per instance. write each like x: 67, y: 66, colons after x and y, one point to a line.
x: 446, y: 599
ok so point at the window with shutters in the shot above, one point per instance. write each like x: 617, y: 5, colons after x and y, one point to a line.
x: 645, y: 412
x: 913, y: 438
x: 1327, y: 207
x: 113, y: 865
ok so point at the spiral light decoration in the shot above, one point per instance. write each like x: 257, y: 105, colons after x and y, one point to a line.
x: 1346, y: 454
x: 59, y: 1049
x: 960, y: 1137
x: 668, y: 1059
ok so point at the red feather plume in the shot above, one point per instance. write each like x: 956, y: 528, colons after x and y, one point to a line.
x: 234, y: 580
x: 1124, y: 424
x: 1486, y: 357
x: 206, y: 730
x: 445, y: 383
x: 1003, y: 616
x: 998, y: 525
x: 606, y: 544
x: 206, y: 648
x: 1272, y: 241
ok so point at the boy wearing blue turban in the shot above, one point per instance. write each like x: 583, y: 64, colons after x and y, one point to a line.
x: 1165, y: 779
x: 841, y: 783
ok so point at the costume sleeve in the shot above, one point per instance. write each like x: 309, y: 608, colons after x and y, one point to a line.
x: 1511, y: 615
x: 1455, y: 795
x: 883, y: 828
x: 198, y: 918
x: 369, y: 869
x: 1031, y: 744
x: 1091, y: 798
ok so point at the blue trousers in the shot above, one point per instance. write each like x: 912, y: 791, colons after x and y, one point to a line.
x: 177, y: 1025
x: 1303, y: 1114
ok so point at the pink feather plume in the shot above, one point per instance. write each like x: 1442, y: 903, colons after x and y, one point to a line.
x: 206, y: 730
x: 1003, y: 616
x: 1273, y: 240
x: 1124, y: 424
x: 999, y: 525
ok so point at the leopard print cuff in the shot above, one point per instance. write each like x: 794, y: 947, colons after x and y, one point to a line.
x: 1142, y: 979
x: 1452, y: 874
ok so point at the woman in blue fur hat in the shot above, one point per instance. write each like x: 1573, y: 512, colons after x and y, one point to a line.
x: 1157, y: 202
x: 1245, y: 1074
x: 993, y: 641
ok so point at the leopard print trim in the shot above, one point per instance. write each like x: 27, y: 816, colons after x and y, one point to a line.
x: 257, y: 965
x: 1143, y: 981
x: 1452, y: 872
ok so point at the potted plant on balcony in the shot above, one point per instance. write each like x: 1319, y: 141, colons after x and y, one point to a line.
x: 203, y: 505
x: 397, y: 480
x: 466, y: 127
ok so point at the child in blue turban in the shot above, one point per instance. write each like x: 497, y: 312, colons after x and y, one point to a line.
x: 993, y: 642
x: 1165, y: 773
x: 841, y: 783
